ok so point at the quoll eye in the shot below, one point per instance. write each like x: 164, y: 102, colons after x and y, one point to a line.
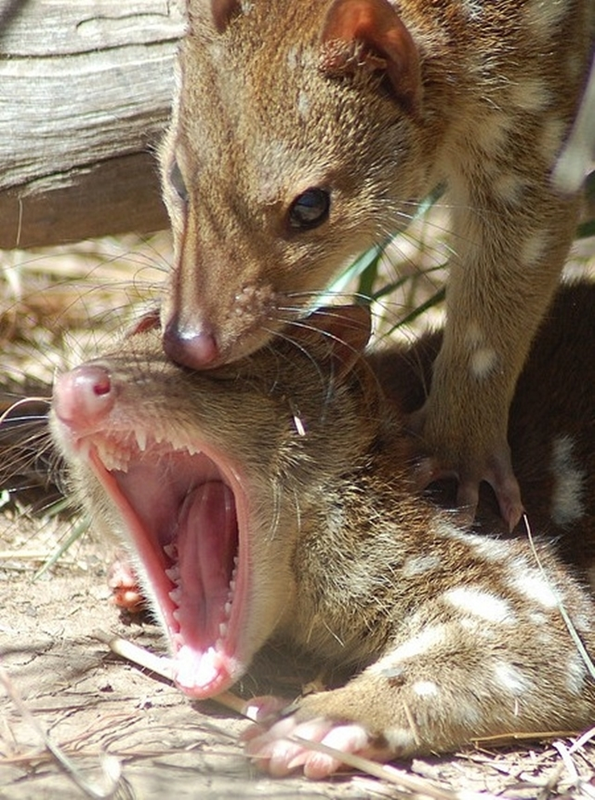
x: 310, y: 209
x: 177, y: 182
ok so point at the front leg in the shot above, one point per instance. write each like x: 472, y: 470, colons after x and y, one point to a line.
x: 511, y: 241
x: 472, y: 664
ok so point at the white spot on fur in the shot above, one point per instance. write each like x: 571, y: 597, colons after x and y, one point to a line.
x: 511, y: 678
x: 582, y: 622
x: 480, y: 603
x: 551, y: 139
x: 534, y: 586
x: 543, y: 17
x: 400, y: 740
x: 416, y: 646
x: 491, y: 549
x: 576, y: 674
x: 509, y: 189
x: 491, y: 132
x: 418, y: 565
x: 473, y: 9
x: 483, y: 362
x: 474, y: 335
x: 531, y: 95
x: 483, y: 546
x: 569, y: 483
x: 425, y: 688
x: 303, y: 105
x: 533, y: 249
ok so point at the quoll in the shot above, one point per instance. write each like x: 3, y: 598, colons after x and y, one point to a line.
x: 304, y: 132
x: 271, y: 499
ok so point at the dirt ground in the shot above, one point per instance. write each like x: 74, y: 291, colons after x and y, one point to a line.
x: 59, y: 678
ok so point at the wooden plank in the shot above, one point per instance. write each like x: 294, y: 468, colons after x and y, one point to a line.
x: 85, y: 93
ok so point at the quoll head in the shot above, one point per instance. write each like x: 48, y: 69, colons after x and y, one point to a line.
x: 199, y: 474
x: 290, y: 123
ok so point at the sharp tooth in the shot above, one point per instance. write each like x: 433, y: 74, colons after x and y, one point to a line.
x: 141, y: 438
x: 223, y: 629
x: 171, y: 550
x: 228, y: 608
x: 173, y: 573
x: 232, y: 585
x: 176, y: 615
x: 218, y: 645
x: 175, y: 595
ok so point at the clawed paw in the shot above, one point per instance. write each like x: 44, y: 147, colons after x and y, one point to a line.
x: 496, y: 472
x: 492, y: 465
x: 123, y: 584
x: 282, y: 748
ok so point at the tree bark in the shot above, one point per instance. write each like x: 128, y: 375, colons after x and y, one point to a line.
x: 85, y: 93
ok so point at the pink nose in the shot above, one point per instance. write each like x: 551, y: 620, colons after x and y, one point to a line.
x: 196, y: 349
x: 84, y: 396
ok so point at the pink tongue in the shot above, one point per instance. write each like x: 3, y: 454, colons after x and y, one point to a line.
x: 207, y: 544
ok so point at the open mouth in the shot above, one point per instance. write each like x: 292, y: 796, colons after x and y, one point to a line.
x: 185, y: 512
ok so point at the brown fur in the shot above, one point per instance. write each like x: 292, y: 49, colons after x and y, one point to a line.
x: 377, y: 103
x: 451, y: 634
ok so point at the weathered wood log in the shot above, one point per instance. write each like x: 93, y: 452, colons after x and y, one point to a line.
x: 85, y: 93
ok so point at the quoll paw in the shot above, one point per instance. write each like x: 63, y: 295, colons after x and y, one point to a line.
x: 492, y: 466
x: 123, y: 584
x: 277, y: 749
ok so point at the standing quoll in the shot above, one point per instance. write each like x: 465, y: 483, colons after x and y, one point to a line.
x: 271, y: 499
x: 305, y: 131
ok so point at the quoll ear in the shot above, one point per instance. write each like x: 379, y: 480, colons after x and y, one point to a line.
x: 369, y: 34
x: 345, y: 333
x: 223, y: 12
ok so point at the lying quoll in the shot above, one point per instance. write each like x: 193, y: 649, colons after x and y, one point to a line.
x: 271, y: 498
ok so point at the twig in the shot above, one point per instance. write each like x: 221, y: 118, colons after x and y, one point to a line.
x: 163, y: 666
x: 420, y: 786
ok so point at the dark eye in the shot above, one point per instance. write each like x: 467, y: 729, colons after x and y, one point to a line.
x: 177, y: 182
x: 310, y: 209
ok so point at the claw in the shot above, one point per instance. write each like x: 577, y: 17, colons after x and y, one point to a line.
x: 494, y: 468
x: 284, y: 746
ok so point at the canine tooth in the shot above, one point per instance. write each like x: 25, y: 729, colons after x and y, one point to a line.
x: 141, y: 438
x: 223, y: 629
x: 227, y: 608
x: 232, y: 585
x: 176, y: 615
